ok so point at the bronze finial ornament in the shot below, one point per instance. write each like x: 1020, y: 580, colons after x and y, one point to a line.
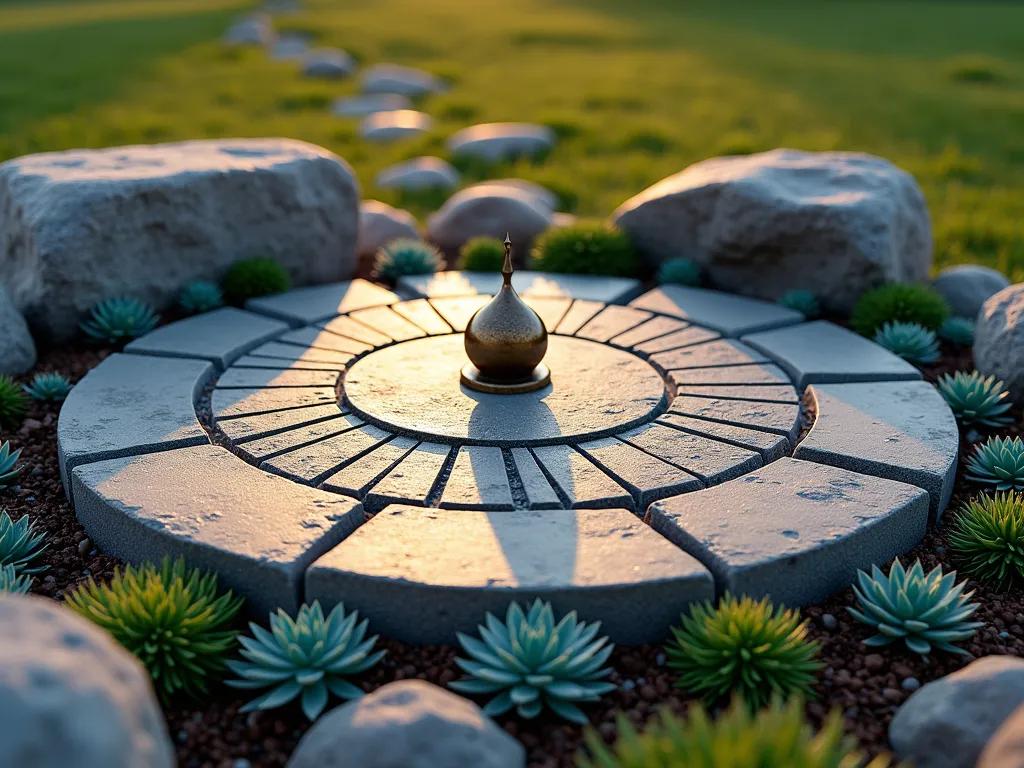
x: 506, y: 341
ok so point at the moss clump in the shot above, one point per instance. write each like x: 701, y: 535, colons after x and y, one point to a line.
x: 252, y: 278
x: 483, y: 254
x: 586, y: 249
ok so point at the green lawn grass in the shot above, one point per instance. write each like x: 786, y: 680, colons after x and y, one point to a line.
x: 636, y: 90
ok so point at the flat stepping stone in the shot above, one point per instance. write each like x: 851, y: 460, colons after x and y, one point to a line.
x: 820, y: 352
x: 462, y: 565
x: 321, y: 302
x: 578, y: 315
x: 646, y: 477
x: 610, y: 290
x: 411, y: 480
x: 494, y: 142
x: 794, y: 530
x: 382, y: 127
x: 685, y: 337
x: 458, y: 312
x: 231, y: 403
x: 268, y: 378
x: 324, y: 339
x: 405, y: 81
x: 368, y: 104
x: 535, y: 486
x: 550, y: 311
x: 578, y: 481
x: 478, y: 480
x: 712, y: 354
x: 422, y: 315
x: 244, y: 428
x: 771, y: 446
x: 419, y: 173
x: 314, y: 462
x: 710, y: 461
x: 726, y: 313
x: 257, y: 532
x: 275, y: 351
x: 328, y: 63
x: 220, y: 336
x: 767, y: 417
x: 730, y: 376
x: 611, y: 321
x: 131, y: 404
x: 650, y: 329
x: 897, y: 430
x: 362, y: 474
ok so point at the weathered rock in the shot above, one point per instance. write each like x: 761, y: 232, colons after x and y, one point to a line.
x: 473, y: 212
x: 328, y: 63
x: 835, y: 223
x: 1006, y: 748
x: 543, y: 195
x: 395, y: 124
x: 379, y: 224
x: 80, y: 226
x: 946, y: 723
x: 17, y: 349
x: 256, y: 29
x: 290, y: 46
x: 501, y: 141
x: 419, y: 173
x: 71, y: 696
x: 408, y: 723
x: 965, y: 287
x: 999, y: 338
x: 406, y: 81
x: 367, y: 104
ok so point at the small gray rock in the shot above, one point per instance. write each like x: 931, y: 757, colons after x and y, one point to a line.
x: 398, y: 124
x: 910, y: 684
x: 493, y: 142
x: 965, y: 287
x: 406, y: 81
x: 1006, y: 748
x: 408, y: 723
x: 368, y: 104
x: 328, y: 63
x: 419, y: 173
x: 828, y: 621
x: 379, y: 224
x: 17, y: 349
x: 492, y: 212
x: 999, y: 339
x: 290, y: 47
x: 256, y: 29
x: 542, y: 195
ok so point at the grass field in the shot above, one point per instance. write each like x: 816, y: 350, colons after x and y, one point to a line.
x: 636, y: 90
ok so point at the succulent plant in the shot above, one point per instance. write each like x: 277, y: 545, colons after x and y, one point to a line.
x: 200, y: 296
x: 170, y: 618
x: 804, y: 302
x: 9, y: 469
x: 20, y: 545
x: 483, y: 254
x: 975, y: 399
x: 745, y: 647
x: 252, y: 278
x: 899, y: 303
x: 679, y: 271
x: 14, y: 583
x: 406, y: 256
x: 958, y: 331
x: 911, y: 341
x: 585, y: 248
x: 987, y: 537
x: 13, y: 403
x: 309, y: 656
x: 775, y: 737
x: 924, y: 612
x: 531, y: 661
x: 116, y: 321
x: 49, y: 387
x: 999, y: 462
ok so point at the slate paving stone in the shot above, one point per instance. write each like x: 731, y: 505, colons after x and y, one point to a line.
x: 713, y: 354
x: 765, y: 393
x: 580, y: 482
x: 648, y: 330
x: 732, y: 375
x: 685, y: 337
x: 412, y: 480
x: 771, y: 446
x: 231, y: 403
x: 726, y: 313
x: 311, y: 463
x: 263, y: 425
x: 269, y: 378
x: 258, y: 451
x: 538, y: 491
x: 358, y: 477
x: 528, y: 284
x: 898, y: 430
x: 611, y: 321
x: 550, y: 311
x: 277, y: 364
x: 387, y: 322
x: 419, y: 312
x: 794, y: 530
x: 275, y: 350
x: 351, y: 329
x: 605, y: 564
x: 577, y: 316
x: 768, y: 417
x: 478, y: 480
x: 711, y: 461
x: 321, y: 302
x: 646, y: 477
x: 458, y: 312
x: 324, y: 340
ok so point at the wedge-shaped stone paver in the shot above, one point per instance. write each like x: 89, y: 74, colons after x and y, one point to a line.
x: 260, y: 450
x: 275, y: 363
x: 458, y: 312
x: 609, y: 290
x: 611, y: 321
x: 363, y: 473
x: 580, y: 482
x: 726, y: 313
x: 646, y: 477
x: 313, y: 462
x: 768, y: 417
x: 711, y: 461
x: 257, y: 532
x: 131, y: 404
x: 685, y: 337
x: 794, y: 530
x: 898, y: 430
x: 265, y: 424
x: 384, y: 320
x: 269, y: 378
x: 319, y: 339
x: 320, y: 302
x: 424, y: 316
x: 412, y: 480
x: 771, y: 446
x: 231, y: 403
x: 350, y: 329
x: 648, y: 330
x: 478, y: 480
x: 820, y: 352
x: 220, y: 336
x: 713, y: 354
x: 420, y: 575
x: 577, y: 316
x: 276, y: 350
x: 538, y: 491
x: 731, y: 375
x: 766, y: 393
x: 550, y: 311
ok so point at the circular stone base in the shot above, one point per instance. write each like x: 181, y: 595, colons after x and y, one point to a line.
x: 540, y: 377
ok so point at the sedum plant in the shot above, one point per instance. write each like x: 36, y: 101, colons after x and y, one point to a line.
x: 998, y: 462
x: 532, y: 662
x: 49, y: 387
x: 899, y: 303
x: 252, y: 278
x: 913, y: 342
x: 804, y: 302
x: 585, y: 248
x: 200, y: 296
x: 679, y: 271
x: 745, y: 647
x: 14, y: 583
x: 171, y: 618
x: 13, y: 403
x: 9, y: 469
x: 308, y: 657
x: 483, y: 254
x: 775, y: 737
x: 987, y: 537
x: 975, y: 399
x: 119, y: 320
x: 925, y: 612
x: 958, y: 331
x: 406, y: 256
x: 20, y: 545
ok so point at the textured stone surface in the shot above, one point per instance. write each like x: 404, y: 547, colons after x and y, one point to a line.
x: 274, y: 351
x: 321, y: 302
x: 966, y: 287
x: 820, y: 352
x: 257, y: 531
x: 255, y: 361
x: 244, y: 428
x: 71, y: 696
x: 646, y: 477
x: 501, y: 141
x: 151, y: 227
x: 471, y: 562
x: 368, y: 103
x: 771, y: 446
x: 382, y: 127
x: 350, y: 328
x: 542, y: 195
x: 419, y: 173
x: 420, y: 313
x: 764, y: 393
x: 610, y: 290
x: 999, y: 339
x: 578, y: 315
x: 269, y: 378
x: 1006, y: 747
x: 386, y: 321
x: 478, y: 480
x: 901, y: 430
x: 549, y: 310
x: 229, y: 403
x: 723, y: 312
x: 713, y: 354
x: 379, y: 224
x: 538, y: 491
x: 579, y: 482
x: 711, y: 461
x: 408, y: 723
x: 768, y: 417
x: 17, y: 349
x: 611, y: 321
x: 457, y: 312
x: 405, y: 81
x: 834, y: 223
x: 411, y: 480
x: 753, y: 376
x: 359, y: 476
x: 794, y: 530
x: 684, y: 337
x: 649, y: 330
x: 329, y: 63
x: 312, y: 463
x: 493, y: 212
x: 258, y: 451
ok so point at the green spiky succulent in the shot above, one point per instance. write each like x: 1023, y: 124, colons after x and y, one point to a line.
x: 958, y: 331
x: 899, y: 303
x: 585, y: 248
x: 745, y: 647
x: 913, y: 342
x: 49, y: 387
x: 975, y: 399
x: 482, y: 254
x: 9, y: 469
x: 679, y: 271
x: 804, y: 302
x: 925, y: 612
x: 14, y: 583
x: 119, y: 320
x: 987, y: 537
x: 252, y: 278
x: 406, y: 256
x: 20, y: 545
x: 200, y: 296
x: 775, y: 737
x: 998, y: 462
x: 13, y: 403
x: 308, y: 657
x: 170, y: 618
x: 532, y: 662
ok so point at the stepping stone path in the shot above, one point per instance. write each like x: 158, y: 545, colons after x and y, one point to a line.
x: 419, y: 173
x: 328, y: 63
x: 494, y: 142
x: 406, y: 81
x: 397, y: 124
x: 290, y: 47
x: 368, y: 104
x: 318, y: 445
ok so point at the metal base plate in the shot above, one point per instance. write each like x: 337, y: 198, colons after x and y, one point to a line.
x: 473, y: 379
